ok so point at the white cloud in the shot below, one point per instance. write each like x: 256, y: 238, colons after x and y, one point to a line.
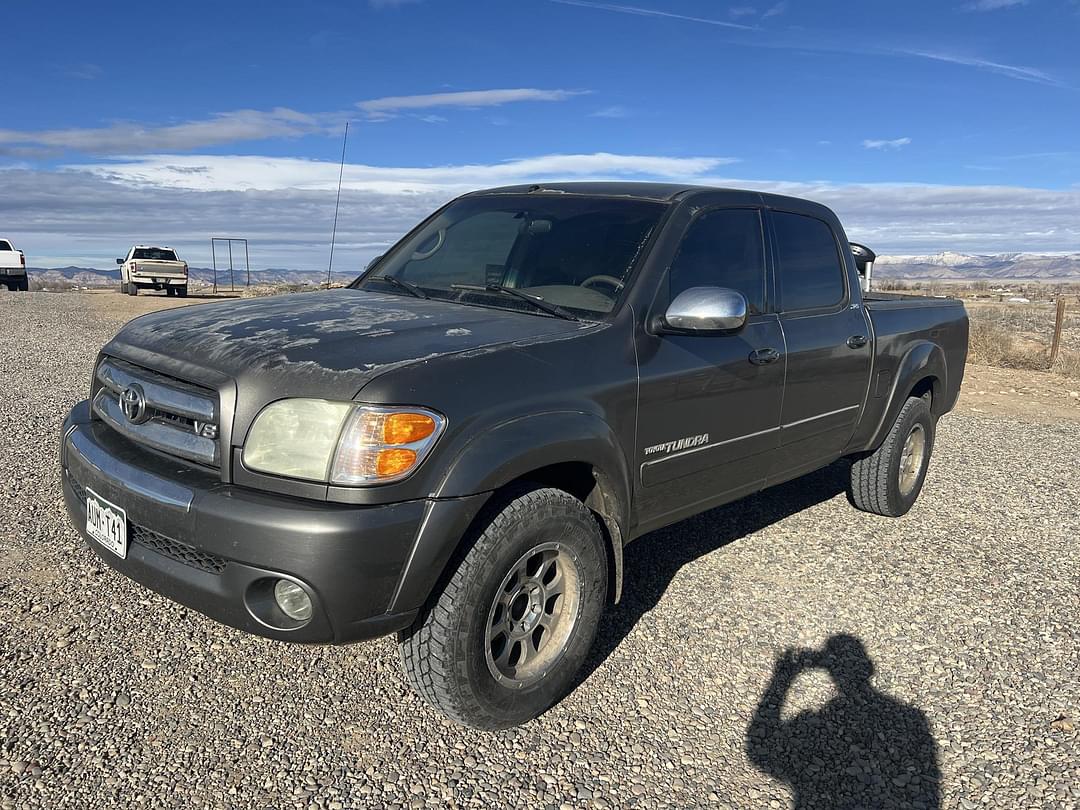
x: 118, y: 138
x: 895, y: 143
x: 250, y: 173
x: 380, y: 4
x: 237, y: 126
x: 1019, y: 72
x: 742, y: 11
x: 648, y: 12
x: 86, y: 71
x: 383, y: 107
x: 74, y: 216
x: 614, y: 111
x: 993, y: 5
x: 819, y: 41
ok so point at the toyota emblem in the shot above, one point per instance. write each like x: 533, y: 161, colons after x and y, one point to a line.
x: 133, y: 404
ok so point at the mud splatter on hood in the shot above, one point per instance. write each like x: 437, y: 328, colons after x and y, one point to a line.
x: 328, y: 343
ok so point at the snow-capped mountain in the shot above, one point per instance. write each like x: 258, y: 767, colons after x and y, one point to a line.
x: 950, y: 265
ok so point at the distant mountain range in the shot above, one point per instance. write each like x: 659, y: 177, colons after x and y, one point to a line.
x: 961, y: 266
x: 939, y: 266
x: 92, y: 277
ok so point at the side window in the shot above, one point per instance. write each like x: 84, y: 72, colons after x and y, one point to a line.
x: 723, y: 248
x: 811, y: 273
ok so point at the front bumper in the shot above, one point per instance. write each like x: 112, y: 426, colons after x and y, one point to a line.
x: 214, y: 546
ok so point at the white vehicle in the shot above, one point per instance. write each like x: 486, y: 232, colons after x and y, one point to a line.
x: 12, y: 267
x: 153, y: 268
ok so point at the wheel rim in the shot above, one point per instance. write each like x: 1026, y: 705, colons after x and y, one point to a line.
x: 911, y: 459
x: 533, y: 616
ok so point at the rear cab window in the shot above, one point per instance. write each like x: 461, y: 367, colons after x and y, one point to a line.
x: 5, y: 245
x: 155, y: 254
x: 811, y: 273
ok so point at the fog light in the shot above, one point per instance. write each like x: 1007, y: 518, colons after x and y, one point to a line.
x: 293, y: 600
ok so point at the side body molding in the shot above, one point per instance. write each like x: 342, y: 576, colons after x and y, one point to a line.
x: 502, y: 454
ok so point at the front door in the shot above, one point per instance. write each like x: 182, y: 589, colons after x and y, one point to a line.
x: 828, y: 345
x: 709, y: 408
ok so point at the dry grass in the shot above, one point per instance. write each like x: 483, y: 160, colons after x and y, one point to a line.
x: 1019, y: 337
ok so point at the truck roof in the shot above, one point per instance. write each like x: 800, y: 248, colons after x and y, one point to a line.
x: 663, y: 192
x: 150, y: 247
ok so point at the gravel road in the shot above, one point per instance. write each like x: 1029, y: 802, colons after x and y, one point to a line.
x: 966, y: 611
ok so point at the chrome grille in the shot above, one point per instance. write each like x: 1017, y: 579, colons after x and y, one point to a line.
x: 176, y: 417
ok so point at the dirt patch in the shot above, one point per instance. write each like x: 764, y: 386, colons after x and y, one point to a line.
x: 1034, y: 396
x: 113, y: 306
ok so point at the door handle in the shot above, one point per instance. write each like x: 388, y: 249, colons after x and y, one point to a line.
x: 857, y: 341
x: 762, y: 357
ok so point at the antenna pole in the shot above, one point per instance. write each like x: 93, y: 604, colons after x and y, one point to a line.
x: 337, y: 204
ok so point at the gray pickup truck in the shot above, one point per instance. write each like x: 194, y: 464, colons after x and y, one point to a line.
x: 457, y: 447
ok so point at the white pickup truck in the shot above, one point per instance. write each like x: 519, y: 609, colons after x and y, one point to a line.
x: 153, y: 268
x: 12, y: 267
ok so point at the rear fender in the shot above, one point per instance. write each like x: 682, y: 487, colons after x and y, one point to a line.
x: 923, y: 360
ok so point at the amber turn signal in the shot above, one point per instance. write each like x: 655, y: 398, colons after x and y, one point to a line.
x: 406, y: 428
x: 393, y: 462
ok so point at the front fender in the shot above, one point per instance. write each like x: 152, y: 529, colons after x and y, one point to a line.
x: 515, y: 448
x: 500, y: 455
x: 924, y: 359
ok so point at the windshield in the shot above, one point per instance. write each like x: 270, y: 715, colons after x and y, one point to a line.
x: 573, y: 252
x: 155, y: 254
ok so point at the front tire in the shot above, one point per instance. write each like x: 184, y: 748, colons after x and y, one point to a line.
x: 504, y: 637
x: 888, y: 481
x: 132, y: 288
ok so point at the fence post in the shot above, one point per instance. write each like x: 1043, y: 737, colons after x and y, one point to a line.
x: 1059, y: 322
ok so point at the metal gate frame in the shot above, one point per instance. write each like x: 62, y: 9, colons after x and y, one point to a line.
x: 232, y: 272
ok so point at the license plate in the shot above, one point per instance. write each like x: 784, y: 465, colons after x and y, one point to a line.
x: 106, y: 523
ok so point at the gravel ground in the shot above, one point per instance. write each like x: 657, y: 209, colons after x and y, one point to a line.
x: 966, y: 610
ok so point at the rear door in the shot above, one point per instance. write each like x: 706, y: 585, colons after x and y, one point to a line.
x: 828, y: 343
x: 709, y: 416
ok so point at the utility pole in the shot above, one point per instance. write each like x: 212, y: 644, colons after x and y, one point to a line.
x: 337, y: 205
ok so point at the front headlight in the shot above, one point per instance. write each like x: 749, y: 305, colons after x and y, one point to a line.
x: 340, y: 442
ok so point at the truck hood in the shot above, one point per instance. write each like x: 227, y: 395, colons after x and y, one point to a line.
x: 319, y: 344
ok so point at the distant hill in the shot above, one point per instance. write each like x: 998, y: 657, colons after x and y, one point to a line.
x: 961, y: 266
x: 939, y: 266
x: 92, y: 277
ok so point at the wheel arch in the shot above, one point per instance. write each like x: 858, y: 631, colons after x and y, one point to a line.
x: 585, y: 460
x: 922, y: 370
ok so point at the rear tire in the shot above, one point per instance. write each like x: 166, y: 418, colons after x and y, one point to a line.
x: 24, y: 285
x: 503, y: 638
x: 182, y: 291
x: 888, y: 481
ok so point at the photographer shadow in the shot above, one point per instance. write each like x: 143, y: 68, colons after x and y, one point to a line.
x: 862, y: 749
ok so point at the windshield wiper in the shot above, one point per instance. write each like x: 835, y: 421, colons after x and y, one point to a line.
x: 408, y: 286
x: 535, y: 300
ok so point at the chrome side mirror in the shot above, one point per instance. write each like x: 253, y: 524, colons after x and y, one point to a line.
x: 706, y: 309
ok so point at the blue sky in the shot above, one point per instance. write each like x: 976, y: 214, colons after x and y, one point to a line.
x: 929, y: 126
